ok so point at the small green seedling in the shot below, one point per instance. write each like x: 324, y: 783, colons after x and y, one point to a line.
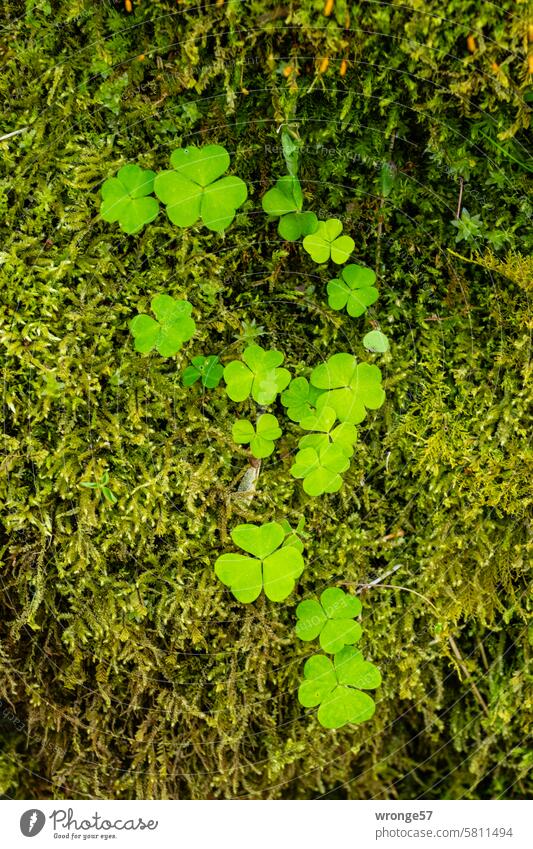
x: 259, y: 376
x: 336, y: 686
x: 321, y: 470
x: 125, y: 199
x: 331, y: 619
x: 285, y: 201
x: 193, y: 190
x: 206, y: 369
x: 173, y: 327
x: 261, y: 437
x: 294, y: 535
x: 354, y: 290
x: 351, y: 387
x: 102, y: 487
x: 344, y: 435
x: 273, y: 567
x: 300, y: 399
x: 376, y: 342
x: 327, y: 243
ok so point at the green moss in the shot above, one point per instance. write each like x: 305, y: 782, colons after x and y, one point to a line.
x: 127, y: 670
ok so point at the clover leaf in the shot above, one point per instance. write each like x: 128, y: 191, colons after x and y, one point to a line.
x: 320, y: 469
x: 344, y: 435
x: 206, y: 369
x: 274, y: 567
x: 261, y: 437
x: 294, y: 535
x: 125, y: 199
x: 355, y: 291
x: 336, y: 686
x: 326, y: 242
x: 332, y: 618
x: 376, y: 341
x: 352, y: 387
x: 259, y: 376
x: 285, y: 201
x: 194, y: 191
x: 173, y: 327
x: 300, y: 398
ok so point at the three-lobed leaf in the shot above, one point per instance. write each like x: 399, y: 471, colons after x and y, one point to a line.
x: 261, y: 437
x: 207, y: 369
x: 327, y: 243
x: 350, y: 387
x: 195, y: 189
x: 273, y: 567
x: 336, y: 686
x: 354, y: 290
x: 169, y: 330
x: 300, y: 398
x: 331, y: 619
x: 125, y: 198
x: 258, y: 375
x: 320, y: 469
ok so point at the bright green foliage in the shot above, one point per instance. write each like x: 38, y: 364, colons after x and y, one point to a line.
x: 336, y: 686
x: 102, y: 487
x: 352, y: 387
x: 376, y: 341
x: 355, y: 290
x: 285, y: 200
x: 344, y: 435
x: 259, y: 376
x: 469, y: 227
x: 320, y: 469
x: 193, y: 190
x: 274, y: 567
x: 261, y: 437
x: 294, y: 535
x: 207, y: 369
x: 326, y: 242
x: 331, y: 619
x: 300, y: 398
x: 125, y: 199
x: 169, y: 330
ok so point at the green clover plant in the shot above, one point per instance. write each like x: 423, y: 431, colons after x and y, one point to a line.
x: 285, y: 201
x: 166, y: 333
x: 261, y: 437
x: 352, y: 387
x: 294, y: 535
x: 259, y: 376
x: 376, y: 342
x: 193, y: 190
x: 274, y: 567
x: 320, y: 469
x: 336, y: 686
x: 344, y: 435
x: 354, y: 290
x: 300, y: 398
x: 125, y: 198
x: 206, y: 369
x: 331, y: 619
x: 327, y: 243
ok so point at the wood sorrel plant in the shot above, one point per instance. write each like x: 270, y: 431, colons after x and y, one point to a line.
x: 327, y: 405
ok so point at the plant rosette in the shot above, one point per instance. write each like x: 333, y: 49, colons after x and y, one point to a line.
x: 300, y: 399
x: 354, y: 290
x: 206, y: 369
x: 261, y: 438
x: 285, y: 201
x: 351, y: 387
x: 193, y: 190
x: 125, y: 198
x: 327, y: 243
x: 169, y: 330
x: 321, y: 470
x: 331, y: 619
x: 258, y: 375
x: 337, y: 687
x: 274, y: 567
x: 344, y: 435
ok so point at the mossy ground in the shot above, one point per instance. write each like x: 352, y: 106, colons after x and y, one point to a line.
x: 127, y: 670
